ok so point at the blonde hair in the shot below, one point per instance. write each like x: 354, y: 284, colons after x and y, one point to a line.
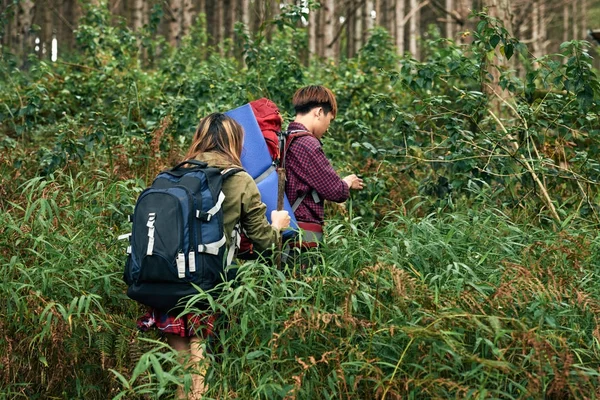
x: 219, y: 133
x: 309, y: 97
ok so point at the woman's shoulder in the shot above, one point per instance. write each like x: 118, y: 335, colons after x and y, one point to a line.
x: 240, y: 174
x: 240, y: 178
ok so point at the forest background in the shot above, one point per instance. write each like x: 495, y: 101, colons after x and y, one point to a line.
x: 467, y: 267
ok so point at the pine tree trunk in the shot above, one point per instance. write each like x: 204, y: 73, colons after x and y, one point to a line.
x: 245, y: 13
x: 584, y: 19
x: 350, y: 29
x: 200, y: 7
x: 187, y: 17
x: 23, y: 40
x: 136, y: 12
x: 369, y: 22
x: 400, y: 25
x: 575, y: 20
x: 543, y: 31
x: 313, y: 20
x: 9, y: 24
x: 501, y: 10
x: 220, y: 26
x: 173, y: 15
x: 358, y: 27
x: 320, y: 31
x: 566, y: 22
x: 535, y: 28
x: 449, y: 20
x: 43, y: 18
x: 463, y: 10
x: 414, y: 29
x: 329, y: 12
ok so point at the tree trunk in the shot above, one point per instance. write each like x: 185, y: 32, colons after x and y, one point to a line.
x: 329, y: 31
x: 575, y: 20
x: 187, y: 17
x: 173, y: 15
x: 400, y: 11
x: 212, y: 23
x: 414, y: 29
x: 136, y: 12
x: 313, y: 20
x: 350, y: 26
x: 465, y: 25
x: 245, y: 13
x: 369, y: 21
x: 543, y: 31
x: 499, y: 9
x: 565, y: 22
x: 200, y: 7
x: 378, y: 13
x: 43, y: 18
x: 320, y: 31
x: 584, y: 19
x: 449, y: 20
x: 358, y: 27
x: 221, y: 35
x: 535, y: 28
x: 23, y: 40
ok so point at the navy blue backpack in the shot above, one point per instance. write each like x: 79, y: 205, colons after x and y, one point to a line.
x: 177, y: 239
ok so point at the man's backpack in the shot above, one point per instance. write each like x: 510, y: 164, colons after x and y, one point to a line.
x: 177, y: 239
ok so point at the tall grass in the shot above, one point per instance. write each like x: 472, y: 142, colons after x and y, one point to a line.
x: 465, y: 303
x: 64, y: 317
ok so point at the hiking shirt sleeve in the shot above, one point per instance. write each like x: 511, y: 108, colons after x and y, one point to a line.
x: 315, y: 170
x: 253, y: 217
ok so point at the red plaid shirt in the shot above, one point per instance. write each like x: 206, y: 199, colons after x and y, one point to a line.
x: 307, y: 168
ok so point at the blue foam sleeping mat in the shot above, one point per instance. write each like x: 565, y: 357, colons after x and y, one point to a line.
x: 256, y: 160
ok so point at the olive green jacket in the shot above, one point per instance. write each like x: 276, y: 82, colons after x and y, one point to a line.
x: 242, y: 204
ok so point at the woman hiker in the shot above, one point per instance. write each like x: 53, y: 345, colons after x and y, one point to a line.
x: 218, y: 142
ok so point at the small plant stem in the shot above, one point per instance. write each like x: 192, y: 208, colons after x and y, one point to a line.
x: 545, y: 195
x: 396, y: 368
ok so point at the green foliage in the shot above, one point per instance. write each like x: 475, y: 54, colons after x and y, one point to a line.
x: 448, y: 276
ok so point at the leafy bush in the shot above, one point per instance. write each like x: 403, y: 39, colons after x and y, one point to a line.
x: 466, y: 268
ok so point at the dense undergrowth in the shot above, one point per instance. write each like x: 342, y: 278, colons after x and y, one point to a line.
x: 467, y: 268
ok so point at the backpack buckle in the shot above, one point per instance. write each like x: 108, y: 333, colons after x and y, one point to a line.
x: 204, y: 216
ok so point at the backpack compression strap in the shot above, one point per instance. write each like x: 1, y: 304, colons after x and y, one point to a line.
x: 236, y: 237
x: 213, y: 248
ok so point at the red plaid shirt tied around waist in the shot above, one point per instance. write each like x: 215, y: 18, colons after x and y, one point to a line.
x: 308, y: 169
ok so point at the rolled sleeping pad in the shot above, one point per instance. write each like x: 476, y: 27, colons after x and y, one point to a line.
x: 256, y: 159
x: 255, y: 154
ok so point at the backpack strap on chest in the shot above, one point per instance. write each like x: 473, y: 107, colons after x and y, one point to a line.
x: 288, y: 137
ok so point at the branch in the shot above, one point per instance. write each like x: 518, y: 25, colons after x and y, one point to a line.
x: 545, y: 196
x: 413, y: 12
x: 452, y: 13
x: 348, y: 14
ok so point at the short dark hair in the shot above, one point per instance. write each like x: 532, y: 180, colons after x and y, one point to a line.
x: 309, y: 97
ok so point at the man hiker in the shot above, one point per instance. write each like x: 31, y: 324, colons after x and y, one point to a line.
x: 310, y: 177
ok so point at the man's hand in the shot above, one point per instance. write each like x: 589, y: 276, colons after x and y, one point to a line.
x: 354, y: 182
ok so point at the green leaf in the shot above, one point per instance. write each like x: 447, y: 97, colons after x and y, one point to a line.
x: 508, y: 51
x: 494, y: 40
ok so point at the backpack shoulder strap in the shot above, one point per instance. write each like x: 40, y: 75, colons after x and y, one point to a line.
x: 212, y: 173
x: 226, y: 173
x: 291, y: 135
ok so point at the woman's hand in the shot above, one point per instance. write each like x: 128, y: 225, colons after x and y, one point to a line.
x: 280, y: 219
x: 354, y: 182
